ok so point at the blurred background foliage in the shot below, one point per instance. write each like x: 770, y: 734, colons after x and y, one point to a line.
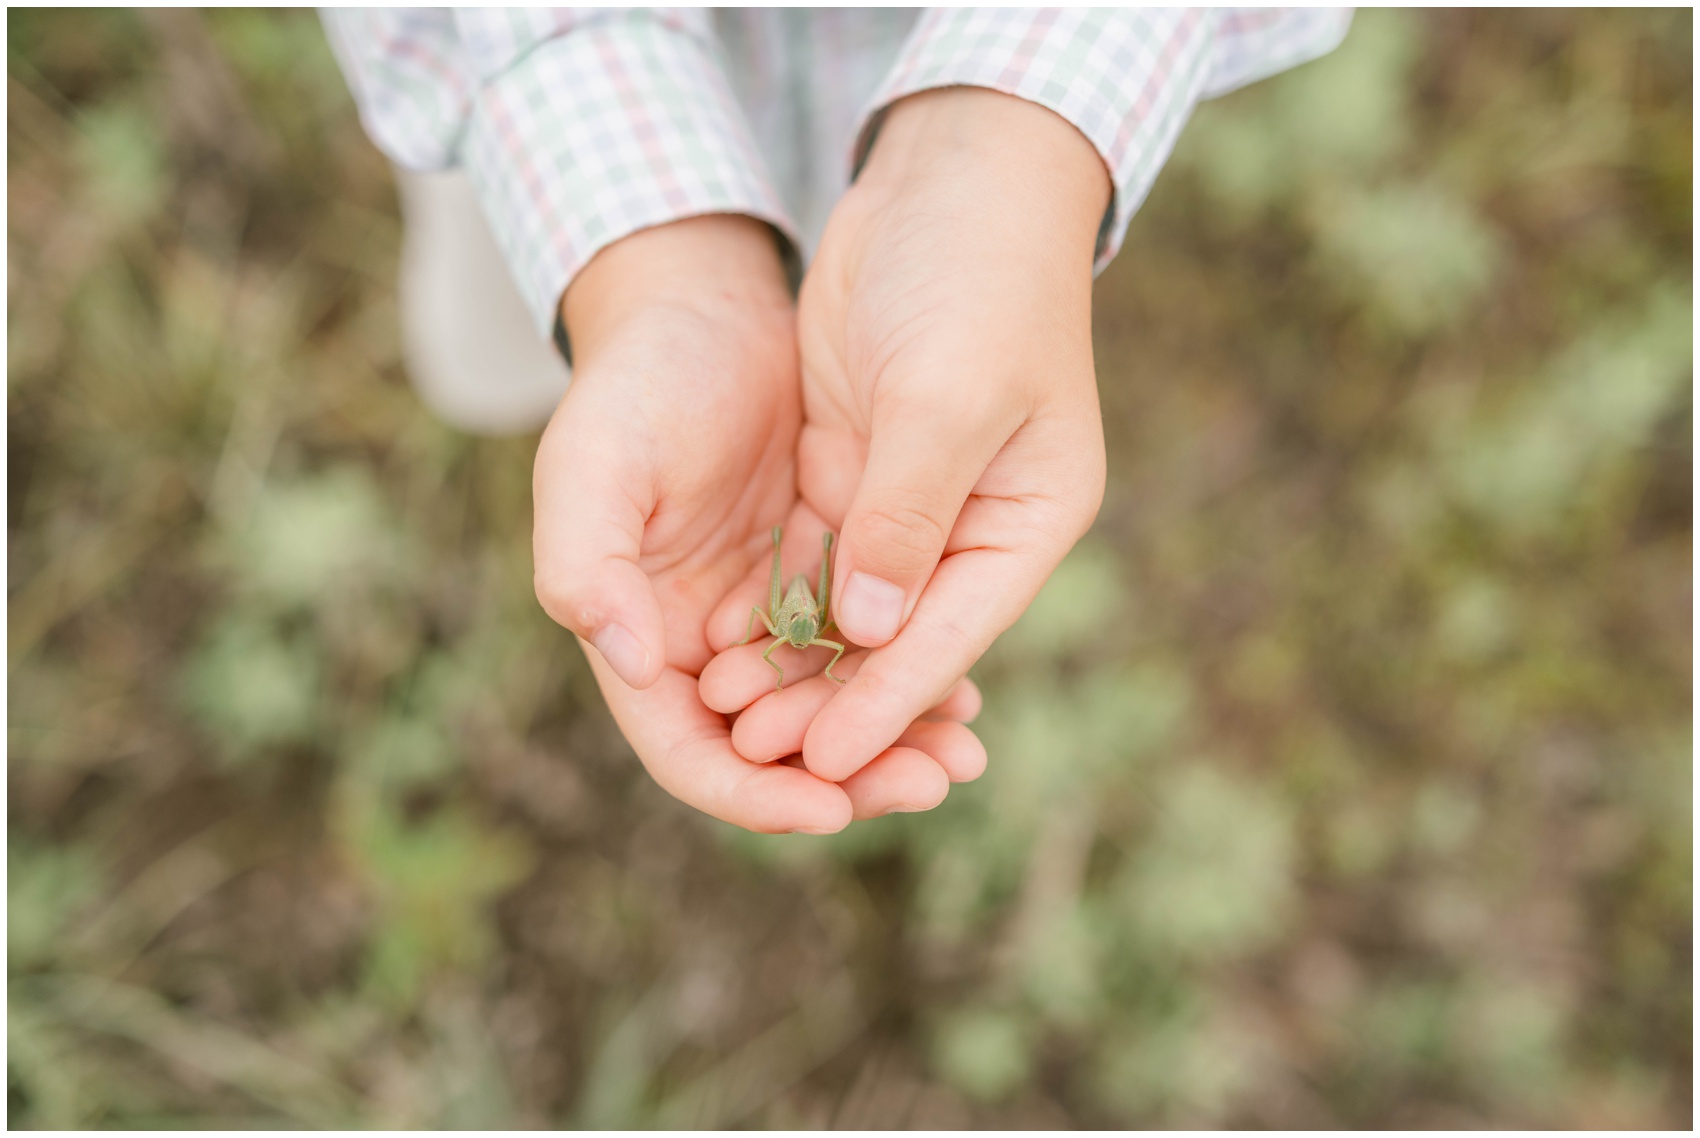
x: 1341, y: 777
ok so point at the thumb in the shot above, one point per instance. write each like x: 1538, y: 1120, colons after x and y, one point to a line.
x: 921, y: 468
x: 591, y: 503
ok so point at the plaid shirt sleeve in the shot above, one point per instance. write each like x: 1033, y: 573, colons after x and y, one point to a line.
x: 1127, y: 78
x: 577, y: 126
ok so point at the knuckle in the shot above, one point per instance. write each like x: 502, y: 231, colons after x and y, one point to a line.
x: 899, y: 533
x: 954, y: 646
x: 1089, y: 479
x: 1085, y: 513
x: 1096, y: 475
x: 563, y: 600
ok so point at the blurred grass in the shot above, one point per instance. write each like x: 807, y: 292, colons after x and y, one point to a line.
x: 1363, y: 800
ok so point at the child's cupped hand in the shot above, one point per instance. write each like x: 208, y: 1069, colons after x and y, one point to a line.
x: 912, y: 773
x: 951, y: 432
x: 655, y: 488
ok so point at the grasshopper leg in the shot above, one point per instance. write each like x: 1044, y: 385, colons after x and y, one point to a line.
x: 834, y: 660
x: 768, y: 656
x: 750, y: 629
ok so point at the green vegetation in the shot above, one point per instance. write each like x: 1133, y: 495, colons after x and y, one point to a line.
x: 1365, y: 803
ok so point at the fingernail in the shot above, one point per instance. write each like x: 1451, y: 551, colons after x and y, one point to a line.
x: 902, y: 808
x: 815, y: 830
x: 870, y: 608
x: 623, y: 651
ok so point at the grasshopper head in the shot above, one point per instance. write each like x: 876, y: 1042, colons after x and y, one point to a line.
x: 801, y: 630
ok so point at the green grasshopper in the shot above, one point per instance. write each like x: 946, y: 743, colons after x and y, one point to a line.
x: 799, y: 619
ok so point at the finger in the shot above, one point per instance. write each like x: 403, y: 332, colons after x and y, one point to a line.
x: 1032, y: 505
x: 686, y: 749
x: 830, y: 461
x: 774, y: 725
x: 730, y: 620
x: 902, y: 780
x: 924, y: 458
x: 776, y: 722
x: 738, y: 677
x: 960, y: 705
x: 950, y: 746
x: 591, y: 504
x: 956, y: 749
x: 973, y: 597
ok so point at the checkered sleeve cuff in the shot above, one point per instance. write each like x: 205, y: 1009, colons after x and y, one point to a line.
x: 1127, y: 79
x: 619, y: 125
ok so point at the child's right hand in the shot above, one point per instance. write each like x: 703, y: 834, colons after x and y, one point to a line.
x: 951, y: 430
x: 656, y: 487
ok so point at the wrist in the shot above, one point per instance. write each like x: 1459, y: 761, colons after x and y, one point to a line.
x: 725, y: 267
x: 979, y: 141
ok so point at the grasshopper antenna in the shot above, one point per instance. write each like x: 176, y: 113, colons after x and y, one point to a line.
x: 825, y: 579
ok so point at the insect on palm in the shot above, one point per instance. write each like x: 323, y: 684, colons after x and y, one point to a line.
x: 799, y: 618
